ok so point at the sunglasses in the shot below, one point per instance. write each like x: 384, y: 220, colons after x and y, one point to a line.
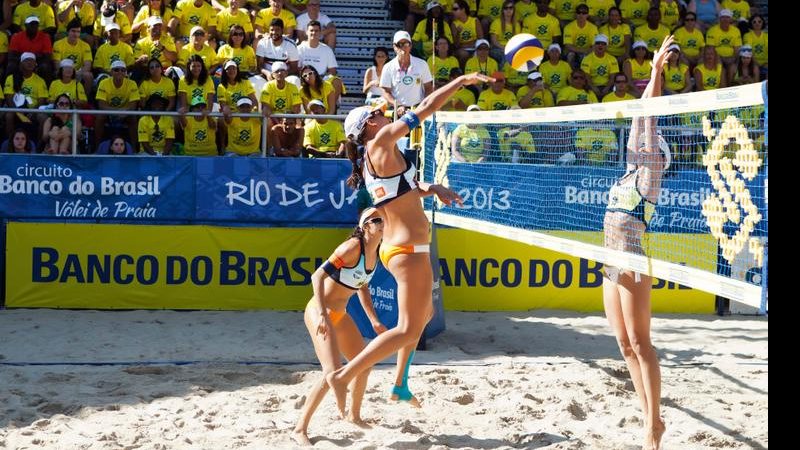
x: 374, y: 220
x: 308, y: 74
x: 155, y: 67
x: 63, y: 104
x: 238, y: 33
x: 118, y: 70
x: 508, y: 7
x: 403, y: 44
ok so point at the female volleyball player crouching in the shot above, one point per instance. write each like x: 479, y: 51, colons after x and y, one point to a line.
x: 332, y: 330
x: 626, y: 294
x: 389, y: 179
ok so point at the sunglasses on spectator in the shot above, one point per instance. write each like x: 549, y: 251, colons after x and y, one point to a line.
x: 403, y: 44
x: 237, y: 33
x: 620, y: 81
x: 308, y: 74
x: 155, y: 66
x: 508, y: 7
x: 583, y: 12
x: 118, y: 69
x: 689, y: 19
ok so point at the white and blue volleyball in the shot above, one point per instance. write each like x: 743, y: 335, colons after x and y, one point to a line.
x: 524, y: 52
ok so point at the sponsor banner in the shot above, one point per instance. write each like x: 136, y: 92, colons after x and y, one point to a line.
x: 201, y: 267
x: 745, y: 268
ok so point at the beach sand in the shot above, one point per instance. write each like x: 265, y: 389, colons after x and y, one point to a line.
x: 237, y: 379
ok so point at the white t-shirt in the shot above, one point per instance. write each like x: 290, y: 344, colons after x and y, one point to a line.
x: 303, y: 19
x: 321, y: 57
x: 286, y: 51
x: 407, y: 87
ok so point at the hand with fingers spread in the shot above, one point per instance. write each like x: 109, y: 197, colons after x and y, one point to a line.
x: 660, y: 56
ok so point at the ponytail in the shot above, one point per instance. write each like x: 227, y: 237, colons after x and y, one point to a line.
x: 351, y: 150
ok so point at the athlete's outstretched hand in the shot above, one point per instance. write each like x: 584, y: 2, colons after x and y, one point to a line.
x: 446, y: 195
x: 660, y: 56
x: 476, y: 78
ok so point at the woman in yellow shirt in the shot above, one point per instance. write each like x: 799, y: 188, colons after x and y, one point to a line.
x: 233, y: 87
x: 637, y: 68
x: 502, y: 29
x: 236, y: 49
x: 67, y: 84
x: 676, y: 73
x: 758, y: 39
x: 466, y: 30
x: 433, y: 23
x: 314, y: 87
x: 151, y: 8
x: 709, y: 74
x: 196, y: 83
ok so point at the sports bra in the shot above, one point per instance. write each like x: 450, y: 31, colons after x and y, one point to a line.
x: 351, y: 277
x: 625, y: 197
x: 385, y: 189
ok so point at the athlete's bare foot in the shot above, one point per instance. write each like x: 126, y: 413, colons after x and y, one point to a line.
x: 358, y: 421
x: 301, y: 437
x: 413, y: 401
x: 339, y: 389
x: 652, y: 440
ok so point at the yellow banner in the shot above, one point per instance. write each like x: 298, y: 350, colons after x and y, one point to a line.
x: 203, y: 267
x: 485, y: 273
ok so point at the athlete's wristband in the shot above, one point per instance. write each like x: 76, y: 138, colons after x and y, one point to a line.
x: 411, y: 120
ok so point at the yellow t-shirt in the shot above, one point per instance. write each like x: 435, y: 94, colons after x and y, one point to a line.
x: 33, y: 87
x: 194, y: 90
x: 327, y: 88
x: 580, y: 37
x: 556, y: 77
x: 226, y: 19
x: 760, y: 46
x: 87, y: 14
x: 120, y: 19
x: 325, y: 137
x: 156, y: 136
x: 740, y: 9
x: 117, y: 97
x: 427, y: 43
x: 616, y: 38
x: 465, y: 96
x: 244, y: 57
x: 613, y: 97
x: 74, y: 89
x: 503, y: 37
x: 514, y: 77
x: 108, y: 53
x: 522, y: 10
x: 199, y: 139
x: 492, y: 101
x: 190, y: 16
x: 490, y: 8
x: 146, y: 46
x: 282, y: 100
x: 145, y: 13
x: 640, y: 71
x: 78, y: 53
x: 690, y: 42
x: 3, y: 43
x: 653, y: 38
x: 522, y: 141
x: 206, y: 52
x: 541, y: 99
x: 670, y: 14
x: 599, y: 68
x: 164, y: 88
x: 468, y: 29
x: 47, y: 18
x: 675, y: 77
x: 724, y: 41
x: 635, y: 11
x: 544, y: 28
x: 711, y: 78
x: 265, y: 16
x: 572, y: 94
x: 231, y: 94
x: 599, y: 8
x: 442, y: 67
x: 244, y: 136
x: 473, y: 142
x: 565, y: 9
x: 475, y: 65
x: 597, y: 143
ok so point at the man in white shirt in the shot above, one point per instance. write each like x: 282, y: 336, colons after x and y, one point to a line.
x: 406, y: 79
x: 328, y: 27
x: 315, y: 53
x: 274, y: 48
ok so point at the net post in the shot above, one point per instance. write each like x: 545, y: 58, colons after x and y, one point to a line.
x: 764, y: 272
x: 74, y: 133
x: 264, y: 124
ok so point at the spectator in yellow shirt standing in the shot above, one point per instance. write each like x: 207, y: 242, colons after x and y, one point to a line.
x: 757, y: 38
x: 116, y: 93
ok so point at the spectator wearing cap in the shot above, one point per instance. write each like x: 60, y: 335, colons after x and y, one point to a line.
x: 745, y: 70
x: 156, y: 133
x: 578, y: 92
x: 111, y: 14
x: 638, y: 67
x: 676, y: 73
x: 156, y: 83
x: 282, y: 97
x: 313, y: 13
x: 156, y: 44
x: 406, y: 79
x: 482, y: 62
x: 315, y: 87
x: 535, y: 94
x: 111, y: 51
x: 433, y: 23
x: 116, y: 93
x: 314, y: 52
x: 69, y: 10
x: 620, y: 91
x: 470, y: 142
x: 725, y: 37
x: 196, y: 13
x: 463, y: 97
x: 634, y: 12
x: 150, y: 9
x: 66, y: 83
x: 599, y: 65
x: 324, y: 138
x: 710, y: 74
x: 78, y: 51
x: 287, y: 138
x: 198, y: 46
x: 556, y: 72
x: 707, y: 12
x: 238, y: 50
x: 466, y: 31
x: 276, y: 48
x: 243, y: 133
x: 502, y: 29
x: 542, y: 24
x: 578, y: 36
x: 232, y: 87
x: 671, y: 12
x: 38, y: 9
x: 757, y: 38
x: 235, y: 15
x: 199, y: 132
x: 31, y: 40
x: 739, y: 8
x: 497, y: 97
x: 690, y: 39
x: 618, y: 33
x: 24, y: 89
x: 195, y: 83
x: 653, y: 32
x: 598, y: 10
x: 275, y: 11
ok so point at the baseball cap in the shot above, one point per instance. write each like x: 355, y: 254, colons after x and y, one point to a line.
x: 432, y: 5
x: 30, y: 19
x: 473, y: 108
x: 554, y: 46
x: 230, y: 63
x: 66, y: 62
x: 155, y: 20
x: 316, y: 102
x: 27, y: 55
x: 118, y: 65
x: 244, y: 101
x: 726, y: 13
x: 195, y: 29
x: 534, y: 76
x: 365, y: 215
x: 279, y: 65
x: 197, y: 101
x: 675, y: 47
x: 480, y: 42
x: 112, y: 26
x: 357, y: 118
x: 639, y: 44
x: 601, y: 38
x: 401, y: 35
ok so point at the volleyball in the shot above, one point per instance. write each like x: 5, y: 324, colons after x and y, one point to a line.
x: 524, y: 52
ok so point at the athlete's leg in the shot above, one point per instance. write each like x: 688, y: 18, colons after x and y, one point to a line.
x: 414, y: 299
x: 351, y: 343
